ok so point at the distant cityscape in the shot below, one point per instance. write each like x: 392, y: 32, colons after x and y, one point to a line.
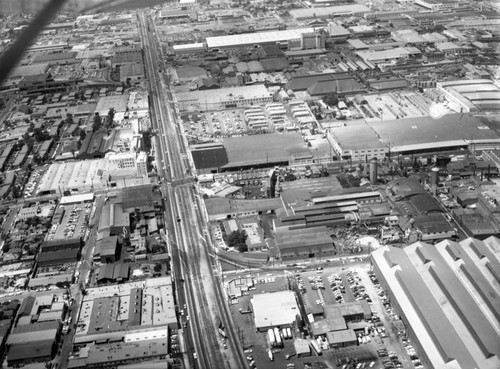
x: 238, y: 184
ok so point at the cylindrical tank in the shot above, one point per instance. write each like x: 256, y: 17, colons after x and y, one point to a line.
x: 434, y: 176
x: 373, y: 171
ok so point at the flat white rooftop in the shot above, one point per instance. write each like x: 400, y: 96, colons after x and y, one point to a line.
x: 256, y: 38
x: 275, y: 309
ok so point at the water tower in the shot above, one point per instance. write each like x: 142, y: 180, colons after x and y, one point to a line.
x: 434, y: 176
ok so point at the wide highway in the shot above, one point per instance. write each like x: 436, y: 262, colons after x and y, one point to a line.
x: 198, y: 288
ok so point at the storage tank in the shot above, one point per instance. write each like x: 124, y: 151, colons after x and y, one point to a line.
x: 373, y: 171
x: 434, y: 176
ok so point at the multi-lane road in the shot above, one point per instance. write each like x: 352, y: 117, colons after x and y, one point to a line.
x: 198, y: 289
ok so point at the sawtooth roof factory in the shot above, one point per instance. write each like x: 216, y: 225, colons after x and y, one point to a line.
x: 447, y: 297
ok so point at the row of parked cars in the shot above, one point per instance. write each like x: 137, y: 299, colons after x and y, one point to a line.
x: 337, y: 287
x: 357, y: 287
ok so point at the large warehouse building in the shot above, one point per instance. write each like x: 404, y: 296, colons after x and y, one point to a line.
x: 361, y: 140
x: 471, y: 95
x: 329, y: 12
x: 249, y: 39
x: 224, y: 98
x: 448, y: 297
x: 252, y: 151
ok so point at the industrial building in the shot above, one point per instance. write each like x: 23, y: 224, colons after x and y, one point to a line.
x: 379, y: 137
x: 259, y: 38
x: 420, y: 216
x: 224, y: 208
x: 224, y: 98
x: 323, y: 84
x: 341, y: 208
x: 277, y: 309
x: 472, y: 95
x: 329, y: 12
x: 305, y: 243
x: 114, y: 220
x: 110, y: 312
x: 33, y: 343
x: 87, y: 176
x: 447, y: 298
x: 144, y: 348
x: 252, y: 151
x: 356, y: 142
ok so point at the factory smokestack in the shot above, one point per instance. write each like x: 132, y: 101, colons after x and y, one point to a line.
x: 373, y: 171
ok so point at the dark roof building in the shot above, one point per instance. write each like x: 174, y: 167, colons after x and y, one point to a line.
x: 114, y: 219
x: 26, y: 306
x: 56, y: 245
x: 344, y: 86
x: 96, y: 144
x: 108, y: 249
x: 46, y: 258
x: 140, y: 198
x: 66, y: 57
x: 321, y: 84
x: 305, y: 243
x: 210, y: 157
x: 112, y: 273
x: 28, y: 353
x: 125, y: 56
x: 445, y: 295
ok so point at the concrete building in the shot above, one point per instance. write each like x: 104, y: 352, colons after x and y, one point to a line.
x: 117, y: 102
x: 446, y: 297
x: 276, y: 309
x: 357, y: 143
x: 122, y: 160
x: 224, y: 98
x: 313, y: 40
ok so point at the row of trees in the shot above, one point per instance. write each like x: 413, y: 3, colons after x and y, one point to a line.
x: 98, y: 123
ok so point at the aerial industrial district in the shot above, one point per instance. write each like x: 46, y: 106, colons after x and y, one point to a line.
x: 230, y: 185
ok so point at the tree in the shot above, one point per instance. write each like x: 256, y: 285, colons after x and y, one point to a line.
x: 111, y: 117
x: 331, y: 99
x: 157, y: 268
x: 83, y: 134
x: 37, y: 160
x: 97, y: 122
x: 69, y: 119
x: 64, y: 284
x: 237, y: 239
x: 40, y: 135
x: 146, y: 140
